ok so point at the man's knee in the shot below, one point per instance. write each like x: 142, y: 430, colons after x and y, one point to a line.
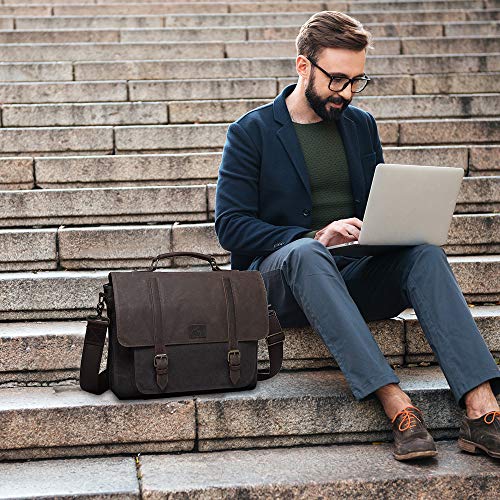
x: 306, y: 252
x: 425, y: 252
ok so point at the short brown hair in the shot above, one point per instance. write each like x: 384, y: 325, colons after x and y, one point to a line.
x: 331, y: 29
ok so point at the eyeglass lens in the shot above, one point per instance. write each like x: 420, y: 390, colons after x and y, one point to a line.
x: 338, y: 84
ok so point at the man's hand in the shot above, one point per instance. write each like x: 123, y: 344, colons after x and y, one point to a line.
x: 339, y: 231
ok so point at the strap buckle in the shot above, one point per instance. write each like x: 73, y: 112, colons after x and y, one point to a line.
x: 233, y: 351
x: 161, y: 358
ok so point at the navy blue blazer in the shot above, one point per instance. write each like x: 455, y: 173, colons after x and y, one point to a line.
x: 263, y: 197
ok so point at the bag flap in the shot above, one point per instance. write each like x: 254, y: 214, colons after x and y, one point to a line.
x: 188, y: 307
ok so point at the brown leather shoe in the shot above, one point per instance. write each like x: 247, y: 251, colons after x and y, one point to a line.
x: 411, y: 438
x: 481, y: 433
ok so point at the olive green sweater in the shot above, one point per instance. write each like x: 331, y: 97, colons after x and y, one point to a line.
x: 326, y: 162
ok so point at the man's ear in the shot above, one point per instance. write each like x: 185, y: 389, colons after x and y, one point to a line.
x: 302, y: 67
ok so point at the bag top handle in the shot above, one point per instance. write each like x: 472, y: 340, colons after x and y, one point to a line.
x: 209, y: 258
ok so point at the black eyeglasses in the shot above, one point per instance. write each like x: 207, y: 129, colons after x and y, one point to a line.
x: 339, y: 83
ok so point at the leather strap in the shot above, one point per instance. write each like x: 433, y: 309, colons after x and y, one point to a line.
x: 233, y: 353
x: 95, y: 335
x: 160, y: 361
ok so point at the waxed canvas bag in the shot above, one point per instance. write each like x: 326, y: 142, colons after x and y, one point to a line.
x: 180, y: 332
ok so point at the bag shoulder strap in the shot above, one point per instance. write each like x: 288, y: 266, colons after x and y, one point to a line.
x: 95, y: 335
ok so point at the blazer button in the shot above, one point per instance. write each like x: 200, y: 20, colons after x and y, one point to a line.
x: 306, y: 212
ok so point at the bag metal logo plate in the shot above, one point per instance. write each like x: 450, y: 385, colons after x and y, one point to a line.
x: 198, y: 331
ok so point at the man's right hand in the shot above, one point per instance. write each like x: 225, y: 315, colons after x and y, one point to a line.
x: 339, y: 231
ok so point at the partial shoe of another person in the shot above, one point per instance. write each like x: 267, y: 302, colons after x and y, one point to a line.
x: 411, y: 437
x: 481, y: 433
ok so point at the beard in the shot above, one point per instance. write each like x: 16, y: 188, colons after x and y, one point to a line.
x: 319, y: 105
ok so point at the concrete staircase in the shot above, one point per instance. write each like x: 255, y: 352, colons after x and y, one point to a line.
x: 113, y: 118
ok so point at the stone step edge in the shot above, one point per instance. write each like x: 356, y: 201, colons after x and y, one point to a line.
x: 336, y: 471
x: 62, y: 337
x: 302, y: 407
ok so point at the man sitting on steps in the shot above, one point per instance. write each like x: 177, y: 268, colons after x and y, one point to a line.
x: 305, y: 161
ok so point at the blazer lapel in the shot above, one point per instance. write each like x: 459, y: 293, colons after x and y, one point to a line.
x: 349, y: 134
x: 290, y: 141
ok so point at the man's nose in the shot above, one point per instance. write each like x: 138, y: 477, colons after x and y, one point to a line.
x: 346, y: 93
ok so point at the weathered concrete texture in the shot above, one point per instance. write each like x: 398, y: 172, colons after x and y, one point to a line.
x: 410, y: 5
x: 311, y: 407
x: 480, y: 192
x: 449, y: 45
x: 90, y: 22
x: 418, y: 349
x: 138, y: 8
x: 211, y: 111
x: 170, y: 136
x: 146, y: 90
x: 112, y: 246
x: 23, y: 249
x: 286, y: 48
x: 341, y: 472
x: 319, y: 404
x: 61, y: 36
x: 31, y: 71
x: 67, y: 139
x: 67, y: 417
x: 472, y: 229
x: 58, y: 294
x: 56, y: 115
x: 484, y: 158
x: 111, y: 477
x: 457, y: 83
x: 445, y: 156
x: 451, y: 131
x: 185, y: 34
x: 276, y: 67
x: 108, y: 51
x: 30, y: 346
x: 38, y: 92
x: 477, y: 275
x: 465, y: 106
x: 127, y: 170
x: 103, y: 205
x: 16, y: 173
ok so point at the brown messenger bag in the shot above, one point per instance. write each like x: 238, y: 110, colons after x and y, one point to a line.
x: 180, y: 332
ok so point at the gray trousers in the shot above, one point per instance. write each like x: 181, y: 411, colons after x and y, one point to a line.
x: 336, y: 295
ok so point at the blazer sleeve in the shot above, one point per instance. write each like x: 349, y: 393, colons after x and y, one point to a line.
x: 237, y: 222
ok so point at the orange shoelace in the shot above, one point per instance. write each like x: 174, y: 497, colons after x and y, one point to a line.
x: 407, y: 421
x: 494, y: 414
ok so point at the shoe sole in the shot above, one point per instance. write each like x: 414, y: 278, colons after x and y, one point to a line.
x: 471, y: 447
x: 415, y: 454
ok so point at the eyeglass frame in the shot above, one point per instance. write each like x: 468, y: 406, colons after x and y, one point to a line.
x: 350, y: 81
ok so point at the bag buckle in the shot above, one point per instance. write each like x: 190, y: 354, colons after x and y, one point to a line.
x: 160, y: 358
x: 233, y: 351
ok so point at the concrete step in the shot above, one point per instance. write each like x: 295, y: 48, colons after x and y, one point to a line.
x: 237, y: 33
x: 122, y: 246
x: 334, y: 471
x: 307, y: 407
x: 195, y: 203
x: 116, y: 51
x: 264, y: 67
x: 223, y: 68
x: 62, y: 294
x: 222, y: 7
x: 183, y: 138
x: 25, y: 22
x: 224, y: 110
x: 105, y: 92
x: 181, y: 169
x: 47, y: 353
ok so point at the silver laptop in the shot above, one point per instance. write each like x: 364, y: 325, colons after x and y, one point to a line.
x: 407, y: 205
